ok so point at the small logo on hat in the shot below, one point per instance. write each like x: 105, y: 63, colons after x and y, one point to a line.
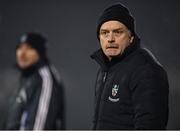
x: 115, y: 90
x: 23, y: 38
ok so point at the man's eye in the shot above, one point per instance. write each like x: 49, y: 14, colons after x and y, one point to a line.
x: 119, y: 31
x: 104, y: 33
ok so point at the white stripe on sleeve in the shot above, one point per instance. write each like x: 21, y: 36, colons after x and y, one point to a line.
x: 44, y: 100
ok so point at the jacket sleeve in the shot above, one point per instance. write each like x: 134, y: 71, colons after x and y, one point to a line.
x: 150, y: 88
x: 44, y: 99
x: 60, y: 121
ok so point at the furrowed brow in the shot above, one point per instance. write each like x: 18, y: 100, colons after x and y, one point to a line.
x: 104, y: 30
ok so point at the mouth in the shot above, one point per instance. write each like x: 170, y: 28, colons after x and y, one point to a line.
x: 112, y: 47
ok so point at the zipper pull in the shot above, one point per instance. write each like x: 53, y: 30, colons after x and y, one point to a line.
x: 105, y: 75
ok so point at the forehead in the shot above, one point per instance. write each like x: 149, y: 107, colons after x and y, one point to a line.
x: 111, y: 25
x: 24, y: 45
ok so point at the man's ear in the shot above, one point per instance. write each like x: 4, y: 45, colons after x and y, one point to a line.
x: 131, y: 38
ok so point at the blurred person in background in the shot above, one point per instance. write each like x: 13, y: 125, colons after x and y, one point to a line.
x: 39, y: 101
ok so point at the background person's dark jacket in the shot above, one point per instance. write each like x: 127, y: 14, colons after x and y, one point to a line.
x: 39, y: 103
x: 131, y: 91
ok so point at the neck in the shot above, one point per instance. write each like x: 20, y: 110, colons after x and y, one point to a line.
x: 109, y: 58
x: 31, y: 69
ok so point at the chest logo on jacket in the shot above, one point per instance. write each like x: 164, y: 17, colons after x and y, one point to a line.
x: 114, y: 93
x: 115, y: 90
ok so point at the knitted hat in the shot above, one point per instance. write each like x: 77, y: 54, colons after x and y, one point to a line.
x: 119, y: 13
x: 36, y: 41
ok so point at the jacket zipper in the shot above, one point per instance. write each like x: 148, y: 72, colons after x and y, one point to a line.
x: 104, y: 78
x: 99, y: 101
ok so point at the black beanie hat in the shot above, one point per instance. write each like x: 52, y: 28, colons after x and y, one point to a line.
x: 117, y: 12
x: 36, y: 41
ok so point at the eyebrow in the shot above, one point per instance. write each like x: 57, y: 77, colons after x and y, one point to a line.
x: 112, y: 30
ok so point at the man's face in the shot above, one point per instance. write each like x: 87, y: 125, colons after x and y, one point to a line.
x: 26, y: 56
x: 114, y: 38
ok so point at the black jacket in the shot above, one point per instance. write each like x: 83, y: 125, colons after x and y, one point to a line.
x: 39, y: 102
x: 131, y: 91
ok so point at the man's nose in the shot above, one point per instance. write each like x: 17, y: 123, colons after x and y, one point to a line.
x: 22, y: 52
x: 111, y: 37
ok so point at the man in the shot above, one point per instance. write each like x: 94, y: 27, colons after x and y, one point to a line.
x: 39, y: 103
x: 131, y: 89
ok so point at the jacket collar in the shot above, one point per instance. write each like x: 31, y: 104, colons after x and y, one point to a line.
x: 32, y: 69
x: 103, y: 61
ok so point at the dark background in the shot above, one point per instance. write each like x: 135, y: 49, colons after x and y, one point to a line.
x: 70, y: 26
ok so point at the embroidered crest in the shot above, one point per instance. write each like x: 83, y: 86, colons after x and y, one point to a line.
x: 113, y: 100
x: 115, y: 90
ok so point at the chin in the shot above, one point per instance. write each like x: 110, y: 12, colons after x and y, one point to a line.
x: 113, y: 55
x: 23, y: 66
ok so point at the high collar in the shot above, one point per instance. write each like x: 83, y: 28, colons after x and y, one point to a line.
x: 104, y: 62
x: 32, y: 69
